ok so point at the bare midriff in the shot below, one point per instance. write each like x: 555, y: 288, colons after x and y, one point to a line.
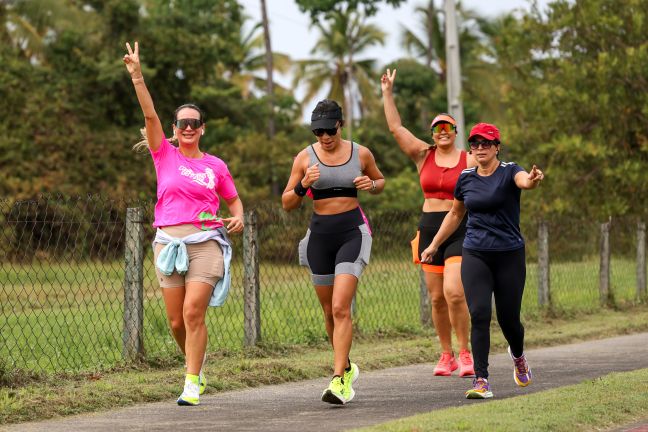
x: 436, y: 205
x: 329, y: 206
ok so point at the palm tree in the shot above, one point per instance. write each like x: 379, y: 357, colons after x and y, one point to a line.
x: 30, y: 24
x: 343, y: 35
x: 251, y: 61
x: 431, y: 44
x: 269, y: 63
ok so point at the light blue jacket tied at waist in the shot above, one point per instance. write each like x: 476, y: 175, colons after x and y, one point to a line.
x: 174, y: 257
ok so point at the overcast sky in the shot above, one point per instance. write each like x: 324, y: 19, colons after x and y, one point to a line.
x: 292, y: 34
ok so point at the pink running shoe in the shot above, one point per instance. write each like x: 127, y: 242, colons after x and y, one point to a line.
x: 521, y: 370
x: 466, y: 366
x: 447, y: 364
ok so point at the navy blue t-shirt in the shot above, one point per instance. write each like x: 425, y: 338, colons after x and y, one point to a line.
x: 493, y: 205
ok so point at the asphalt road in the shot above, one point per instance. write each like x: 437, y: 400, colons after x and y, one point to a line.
x: 380, y: 395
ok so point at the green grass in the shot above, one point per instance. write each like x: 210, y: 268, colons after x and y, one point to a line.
x: 68, y: 317
x: 36, y: 397
x: 597, y: 404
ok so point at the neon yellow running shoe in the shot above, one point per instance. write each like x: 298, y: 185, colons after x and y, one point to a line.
x: 350, y: 377
x: 190, y: 394
x: 335, y: 393
x: 203, y: 383
x: 202, y: 377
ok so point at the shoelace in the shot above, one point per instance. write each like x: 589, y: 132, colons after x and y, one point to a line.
x: 521, y: 365
x: 191, y: 387
x: 445, y: 358
x: 480, y: 385
x: 464, y: 356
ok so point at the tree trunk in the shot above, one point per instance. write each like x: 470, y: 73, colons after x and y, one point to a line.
x: 349, y: 107
x: 429, y: 52
x: 274, y: 183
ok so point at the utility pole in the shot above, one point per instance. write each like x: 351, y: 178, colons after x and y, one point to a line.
x: 274, y: 184
x: 453, y: 80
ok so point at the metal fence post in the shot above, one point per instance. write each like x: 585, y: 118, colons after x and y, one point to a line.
x: 251, y: 300
x: 133, y: 337
x: 604, y: 267
x: 641, y: 260
x: 544, y: 293
x: 424, y: 301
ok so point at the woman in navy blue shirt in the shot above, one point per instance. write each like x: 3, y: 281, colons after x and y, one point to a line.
x: 493, y: 261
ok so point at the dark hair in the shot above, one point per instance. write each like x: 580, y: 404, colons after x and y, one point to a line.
x: 188, y: 105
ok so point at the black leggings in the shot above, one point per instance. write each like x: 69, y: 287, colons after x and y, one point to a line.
x: 502, y: 274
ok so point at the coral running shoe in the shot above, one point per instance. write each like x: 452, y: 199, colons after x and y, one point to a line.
x: 447, y: 364
x: 466, y: 366
x: 521, y: 370
x: 480, y: 390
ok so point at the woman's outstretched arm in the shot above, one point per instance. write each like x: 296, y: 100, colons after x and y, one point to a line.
x: 154, y: 132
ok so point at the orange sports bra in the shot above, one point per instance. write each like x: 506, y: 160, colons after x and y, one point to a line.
x: 439, y: 182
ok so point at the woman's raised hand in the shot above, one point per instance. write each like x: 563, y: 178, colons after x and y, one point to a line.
x: 536, y: 175
x: 387, y: 80
x: 132, y: 61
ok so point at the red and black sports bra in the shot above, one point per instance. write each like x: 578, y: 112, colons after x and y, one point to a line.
x: 439, y: 182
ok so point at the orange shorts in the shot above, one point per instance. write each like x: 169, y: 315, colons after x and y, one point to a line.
x: 435, y: 266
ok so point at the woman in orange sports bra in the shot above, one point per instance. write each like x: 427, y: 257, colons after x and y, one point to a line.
x: 439, y: 166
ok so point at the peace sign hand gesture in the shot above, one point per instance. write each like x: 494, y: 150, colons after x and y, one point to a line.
x: 387, y: 81
x: 132, y: 61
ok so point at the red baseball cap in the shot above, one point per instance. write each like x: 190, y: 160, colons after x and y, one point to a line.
x: 485, y: 130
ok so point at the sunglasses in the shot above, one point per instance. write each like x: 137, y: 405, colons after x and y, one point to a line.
x: 183, y: 124
x: 474, y: 145
x: 329, y: 132
x: 440, y: 127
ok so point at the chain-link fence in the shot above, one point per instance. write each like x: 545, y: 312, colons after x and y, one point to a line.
x: 66, y: 266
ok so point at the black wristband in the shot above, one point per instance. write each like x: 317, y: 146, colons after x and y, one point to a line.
x: 300, y: 190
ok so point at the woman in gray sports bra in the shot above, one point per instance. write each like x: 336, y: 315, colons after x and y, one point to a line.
x: 337, y: 244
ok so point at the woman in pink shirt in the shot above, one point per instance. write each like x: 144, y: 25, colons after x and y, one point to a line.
x: 189, y: 184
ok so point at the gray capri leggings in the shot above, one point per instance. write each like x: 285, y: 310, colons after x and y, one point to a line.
x: 335, y: 244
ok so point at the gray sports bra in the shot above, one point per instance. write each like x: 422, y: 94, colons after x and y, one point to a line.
x: 336, y: 180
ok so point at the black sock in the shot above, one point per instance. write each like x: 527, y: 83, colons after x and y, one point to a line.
x: 349, y: 368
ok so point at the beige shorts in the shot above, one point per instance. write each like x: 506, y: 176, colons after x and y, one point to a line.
x: 205, y: 260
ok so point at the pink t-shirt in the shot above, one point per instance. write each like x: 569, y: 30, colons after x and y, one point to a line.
x: 188, y: 189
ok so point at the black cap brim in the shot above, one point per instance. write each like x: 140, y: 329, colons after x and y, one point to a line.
x: 324, y: 123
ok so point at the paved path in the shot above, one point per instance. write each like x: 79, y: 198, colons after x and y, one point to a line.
x: 380, y: 395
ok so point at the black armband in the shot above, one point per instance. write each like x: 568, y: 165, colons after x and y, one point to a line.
x: 300, y: 190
